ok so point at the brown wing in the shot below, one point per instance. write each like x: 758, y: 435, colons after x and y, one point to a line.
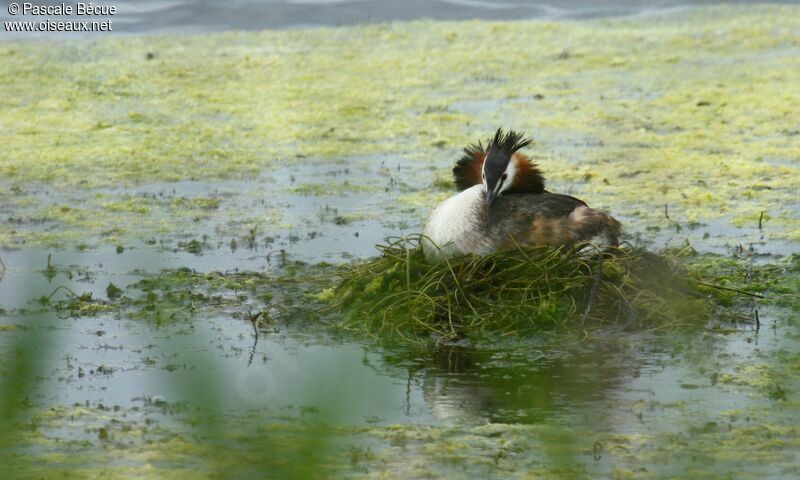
x: 547, y: 219
x: 568, y: 198
x: 542, y: 205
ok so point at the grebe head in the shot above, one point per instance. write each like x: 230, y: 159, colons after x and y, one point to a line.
x: 499, y: 171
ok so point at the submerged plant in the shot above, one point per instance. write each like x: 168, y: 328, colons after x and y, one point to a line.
x: 527, y: 289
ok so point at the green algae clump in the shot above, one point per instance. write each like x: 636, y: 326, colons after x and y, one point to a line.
x: 507, y: 293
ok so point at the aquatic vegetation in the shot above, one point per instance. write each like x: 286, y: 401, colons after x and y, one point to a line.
x: 734, y: 442
x: 400, y: 294
x: 693, y: 109
x: 683, y: 122
x: 175, y: 440
x: 179, y: 295
x: 781, y: 278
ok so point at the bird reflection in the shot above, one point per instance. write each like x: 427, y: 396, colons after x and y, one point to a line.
x: 462, y: 384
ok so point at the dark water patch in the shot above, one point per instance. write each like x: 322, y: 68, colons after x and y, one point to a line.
x: 103, y: 359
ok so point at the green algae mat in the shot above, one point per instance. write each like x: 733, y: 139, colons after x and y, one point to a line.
x: 695, y: 110
x: 188, y: 186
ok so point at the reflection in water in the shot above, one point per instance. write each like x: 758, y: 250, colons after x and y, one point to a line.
x: 461, y: 384
x: 586, y: 407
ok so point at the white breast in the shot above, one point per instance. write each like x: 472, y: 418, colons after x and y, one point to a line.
x: 454, y: 228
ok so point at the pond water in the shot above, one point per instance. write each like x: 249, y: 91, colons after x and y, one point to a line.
x: 168, y: 375
x: 616, y: 386
x: 204, y: 16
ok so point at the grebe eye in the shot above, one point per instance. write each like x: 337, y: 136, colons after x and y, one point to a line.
x: 504, y: 176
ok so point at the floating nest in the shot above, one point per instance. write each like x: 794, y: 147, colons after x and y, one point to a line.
x: 528, y: 289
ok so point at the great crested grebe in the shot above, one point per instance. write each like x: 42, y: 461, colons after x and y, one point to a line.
x: 503, y: 204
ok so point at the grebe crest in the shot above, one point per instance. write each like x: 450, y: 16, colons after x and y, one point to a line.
x: 503, y: 203
x: 522, y: 174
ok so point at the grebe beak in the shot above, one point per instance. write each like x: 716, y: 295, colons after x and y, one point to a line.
x: 491, y: 195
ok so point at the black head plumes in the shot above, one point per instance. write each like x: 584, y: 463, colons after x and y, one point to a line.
x: 498, y: 154
x: 509, y: 142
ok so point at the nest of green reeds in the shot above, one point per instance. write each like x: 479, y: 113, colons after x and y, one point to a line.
x: 399, y: 293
